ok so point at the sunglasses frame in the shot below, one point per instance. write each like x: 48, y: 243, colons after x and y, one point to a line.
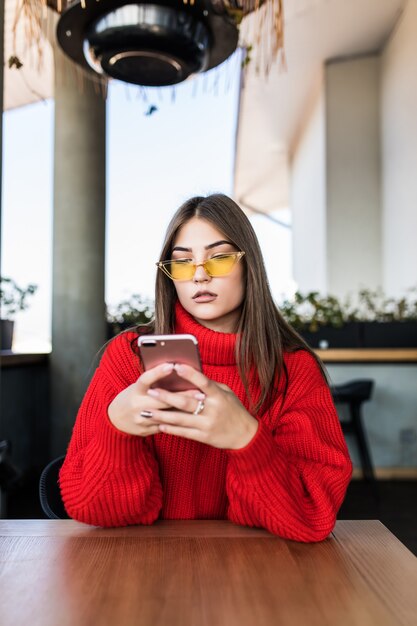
x: 238, y: 255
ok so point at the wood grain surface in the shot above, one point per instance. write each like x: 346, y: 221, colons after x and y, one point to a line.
x: 204, y: 573
x: 331, y: 355
x: 368, y: 355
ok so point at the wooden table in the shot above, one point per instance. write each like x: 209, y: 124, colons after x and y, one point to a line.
x: 202, y: 573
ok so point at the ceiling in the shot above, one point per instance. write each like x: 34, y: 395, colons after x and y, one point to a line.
x: 273, y: 108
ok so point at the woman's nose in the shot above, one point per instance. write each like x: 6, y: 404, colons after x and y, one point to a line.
x: 200, y: 274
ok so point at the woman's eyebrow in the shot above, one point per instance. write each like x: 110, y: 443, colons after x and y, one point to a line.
x: 211, y: 245
x: 218, y: 243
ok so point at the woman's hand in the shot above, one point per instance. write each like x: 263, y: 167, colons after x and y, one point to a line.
x: 125, y: 410
x: 223, y: 422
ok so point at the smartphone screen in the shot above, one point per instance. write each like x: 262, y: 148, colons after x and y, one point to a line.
x: 157, y: 349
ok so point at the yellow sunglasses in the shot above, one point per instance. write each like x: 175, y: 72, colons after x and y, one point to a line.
x: 184, y: 269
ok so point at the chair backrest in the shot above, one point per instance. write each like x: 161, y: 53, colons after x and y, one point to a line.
x: 358, y: 390
x: 49, y: 492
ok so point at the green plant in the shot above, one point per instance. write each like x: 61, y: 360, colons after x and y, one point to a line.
x: 375, y: 306
x: 311, y: 311
x: 13, y: 298
x: 131, y: 312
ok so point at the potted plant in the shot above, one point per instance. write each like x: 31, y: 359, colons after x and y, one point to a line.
x: 12, y: 300
x: 375, y: 321
x: 129, y: 313
x: 388, y: 322
x: 323, y: 321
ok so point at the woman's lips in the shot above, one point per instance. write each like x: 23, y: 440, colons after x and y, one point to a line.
x: 204, y: 296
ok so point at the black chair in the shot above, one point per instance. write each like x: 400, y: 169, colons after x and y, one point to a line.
x: 354, y: 393
x: 49, y: 492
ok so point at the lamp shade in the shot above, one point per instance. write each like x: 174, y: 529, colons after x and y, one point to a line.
x: 154, y: 43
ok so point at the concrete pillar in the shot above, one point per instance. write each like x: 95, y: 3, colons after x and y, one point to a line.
x: 308, y: 201
x: 353, y: 178
x: 336, y: 183
x: 78, y: 309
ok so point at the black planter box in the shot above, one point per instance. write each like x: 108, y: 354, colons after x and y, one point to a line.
x: 115, y: 329
x: 6, y: 334
x: 347, y: 336
x: 364, y: 335
x: 389, y: 334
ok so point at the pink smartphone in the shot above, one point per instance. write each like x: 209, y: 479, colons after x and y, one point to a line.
x: 156, y: 349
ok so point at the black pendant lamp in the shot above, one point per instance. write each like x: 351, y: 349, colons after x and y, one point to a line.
x: 150, y: 42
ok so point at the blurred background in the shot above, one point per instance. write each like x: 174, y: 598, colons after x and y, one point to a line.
x: 303, y: 111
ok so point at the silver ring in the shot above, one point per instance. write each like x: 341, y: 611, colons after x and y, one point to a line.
x: 200, y: 407
x: 146, y: 414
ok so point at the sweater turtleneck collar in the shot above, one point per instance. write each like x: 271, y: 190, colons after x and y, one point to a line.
x: 215, y: 348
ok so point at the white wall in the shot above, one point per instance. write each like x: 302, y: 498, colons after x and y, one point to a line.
x: 353, y: 175
x: 399, y: 154
x: 391, y: 411
x: 308, y: 203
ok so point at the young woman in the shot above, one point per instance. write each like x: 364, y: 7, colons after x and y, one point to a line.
x: 259, y: 443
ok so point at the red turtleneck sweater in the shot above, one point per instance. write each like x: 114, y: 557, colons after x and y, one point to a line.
x: 290, y: 479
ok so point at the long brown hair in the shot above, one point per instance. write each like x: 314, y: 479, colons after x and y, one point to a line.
x: 263, y: 334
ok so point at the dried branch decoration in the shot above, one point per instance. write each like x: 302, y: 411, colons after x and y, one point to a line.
x: 31, y: 15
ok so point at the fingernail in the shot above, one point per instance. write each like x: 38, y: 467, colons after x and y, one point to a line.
x: 200, y: 396
x: 168, y: 367
x: 153, y: 392
x: 178, y: 367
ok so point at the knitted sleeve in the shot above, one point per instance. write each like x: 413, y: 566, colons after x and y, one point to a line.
x: 109, y: 478
x: 292, y: 476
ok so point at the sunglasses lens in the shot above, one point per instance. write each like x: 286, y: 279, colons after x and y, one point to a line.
x: 184, y: 269
x: 180, y: 270
x: 221, y: 265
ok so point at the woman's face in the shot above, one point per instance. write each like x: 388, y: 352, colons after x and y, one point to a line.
x: 215, y: 302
